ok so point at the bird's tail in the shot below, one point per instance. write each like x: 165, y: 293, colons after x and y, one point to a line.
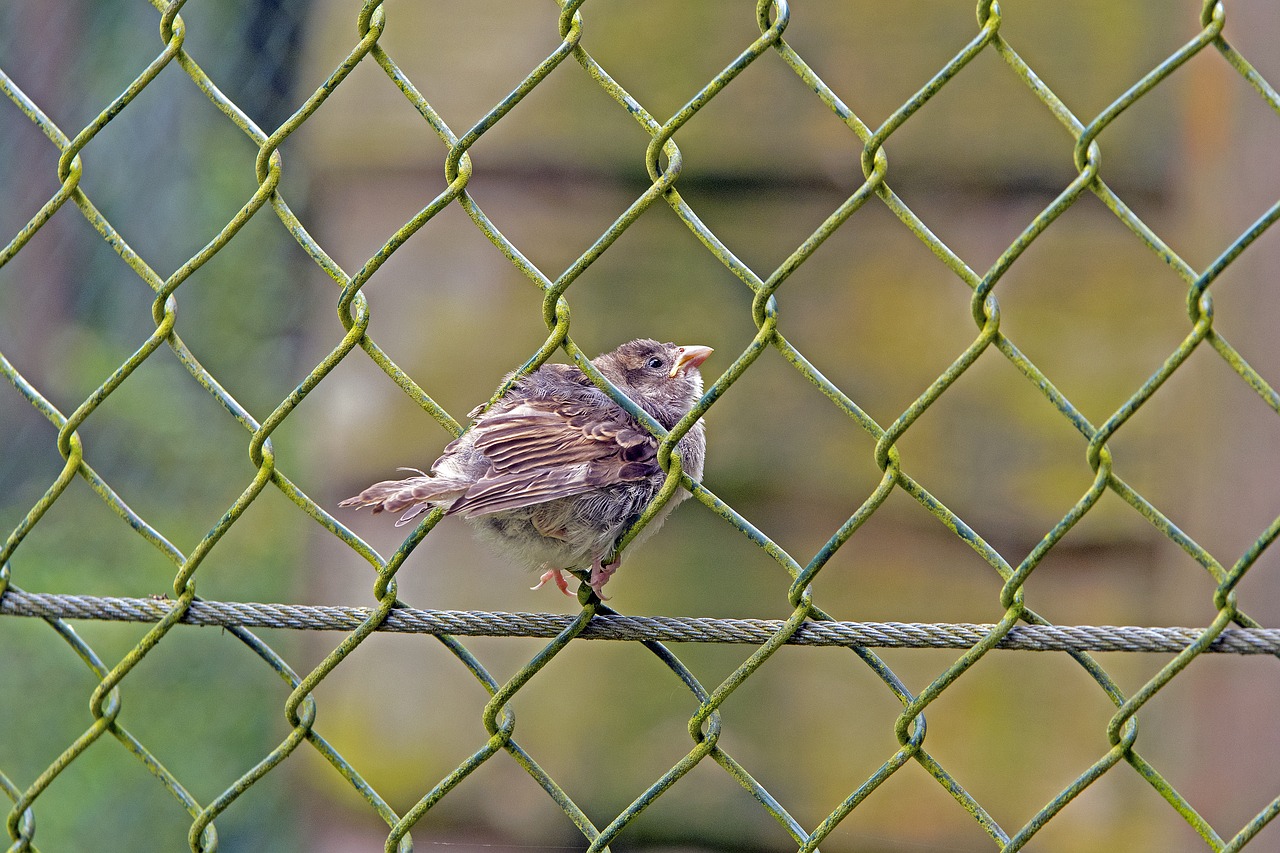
x: 412, y: 495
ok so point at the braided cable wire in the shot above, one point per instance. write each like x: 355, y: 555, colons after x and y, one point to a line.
x: 665, y: 629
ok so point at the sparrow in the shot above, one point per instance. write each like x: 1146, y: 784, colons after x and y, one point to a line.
x: 554, y: 472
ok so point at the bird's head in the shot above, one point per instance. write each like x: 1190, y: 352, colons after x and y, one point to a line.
x: 662, y: 378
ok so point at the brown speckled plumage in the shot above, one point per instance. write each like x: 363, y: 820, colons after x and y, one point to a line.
x: 555, y: 471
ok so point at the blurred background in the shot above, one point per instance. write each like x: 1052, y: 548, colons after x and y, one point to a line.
x: 874, y: 310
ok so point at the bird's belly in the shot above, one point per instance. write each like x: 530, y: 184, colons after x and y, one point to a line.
x: 514, y: 534
x: 572, y: 533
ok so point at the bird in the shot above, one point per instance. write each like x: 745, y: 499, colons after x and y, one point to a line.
x: 555, y: 471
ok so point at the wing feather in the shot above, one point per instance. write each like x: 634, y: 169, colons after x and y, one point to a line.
x: 542, y: 450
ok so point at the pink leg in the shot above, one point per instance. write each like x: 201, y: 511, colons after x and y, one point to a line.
x: 553, y: 575
x: 600, y: 574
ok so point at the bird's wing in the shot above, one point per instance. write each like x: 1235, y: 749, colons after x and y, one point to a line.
x: 541, y: 450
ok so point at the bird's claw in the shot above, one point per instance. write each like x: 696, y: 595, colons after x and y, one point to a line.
x: 557, y: 576
x: 600, y: 574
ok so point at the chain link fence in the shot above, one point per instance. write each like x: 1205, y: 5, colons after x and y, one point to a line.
x: 1230, y: 630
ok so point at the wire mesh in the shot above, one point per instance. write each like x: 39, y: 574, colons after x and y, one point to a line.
x: 1231, y: 629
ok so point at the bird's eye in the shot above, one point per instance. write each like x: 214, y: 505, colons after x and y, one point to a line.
x: 654, y: 363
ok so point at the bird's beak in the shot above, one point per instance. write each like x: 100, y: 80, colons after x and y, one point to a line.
x: 690, y: 357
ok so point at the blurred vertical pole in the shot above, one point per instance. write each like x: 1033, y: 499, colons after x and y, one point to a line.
x: 272, y: 38
x: 38, y: 44
x: 1230, y: 139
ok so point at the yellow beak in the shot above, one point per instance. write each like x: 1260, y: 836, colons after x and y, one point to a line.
x: 690, y: 357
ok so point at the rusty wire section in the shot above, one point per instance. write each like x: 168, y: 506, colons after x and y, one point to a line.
x: 664, y: 164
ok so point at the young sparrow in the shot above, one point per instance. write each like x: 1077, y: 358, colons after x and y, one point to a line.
x: 555, y: 471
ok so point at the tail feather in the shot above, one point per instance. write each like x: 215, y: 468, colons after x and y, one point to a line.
x: 414, y: 494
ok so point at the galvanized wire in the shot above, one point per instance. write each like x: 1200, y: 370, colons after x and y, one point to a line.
x: 664, y: 629
x: 1019, y: 627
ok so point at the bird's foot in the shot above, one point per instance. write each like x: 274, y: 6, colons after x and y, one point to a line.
x: 600, y: 574
x: 556, y: 575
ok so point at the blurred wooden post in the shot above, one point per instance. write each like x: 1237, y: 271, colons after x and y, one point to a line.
x: 1230, y: 153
